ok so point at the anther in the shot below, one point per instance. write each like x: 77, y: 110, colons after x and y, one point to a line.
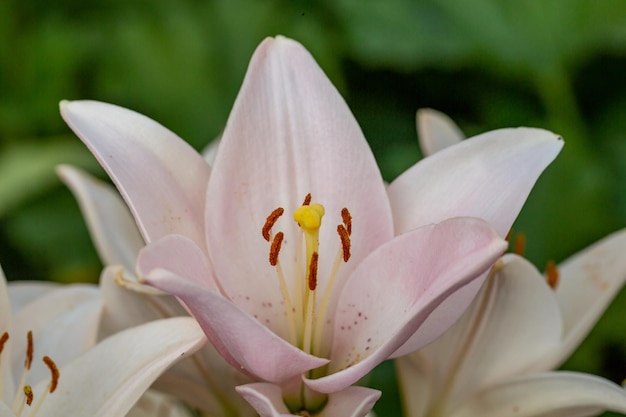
x: 312, y: 281
x: 3, y: 340
x: 519, y: 245
x: 28, y: 393
x: 344, y: 235
x: 347, y: 220
x: 552, y: 275
x: 307, y: 200
x: 54, y: 371
x: 269, y: 223
x: 29, y: 350
x: 275, y: 248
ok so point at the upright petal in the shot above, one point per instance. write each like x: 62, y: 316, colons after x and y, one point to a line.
x: 124, y: 365
x: 394, y: 290
x: 488, y: 176
x: 112, y: 228
x: 553, y: 394
x: 436, y: 131
x: 588, y: 282
x: 162, y: 178
x: 289, y: 134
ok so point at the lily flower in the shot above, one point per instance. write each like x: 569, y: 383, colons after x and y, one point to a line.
x: 49, y: 365
x: 302, y: 267
x: 495, y: 360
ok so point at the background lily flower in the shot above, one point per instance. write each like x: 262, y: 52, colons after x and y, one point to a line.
x: 328, y: 299
x: 494, y: 360
x: 60, y: 327
x: 205, y: 380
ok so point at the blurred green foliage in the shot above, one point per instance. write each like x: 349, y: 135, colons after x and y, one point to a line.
x: 487, y: 63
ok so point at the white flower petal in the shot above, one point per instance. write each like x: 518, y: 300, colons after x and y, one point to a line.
x: 436, y: 131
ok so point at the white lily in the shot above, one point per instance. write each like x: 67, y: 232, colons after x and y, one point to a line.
x: 77, y: 378
x: 496, y: 360
x: 204, y: 381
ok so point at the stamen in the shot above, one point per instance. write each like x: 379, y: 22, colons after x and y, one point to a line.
x: 28, y: 393
x: 54, y: 371
x: 347, y: 220
x: 29, y: 350
x: 307, y: 200
x: 271, y: 220
x: 519, y: 245
x: 344, y: 234
x: 312, y: 279
x: 552, y: 275
x: 275, y: 248
x: 3, y: 340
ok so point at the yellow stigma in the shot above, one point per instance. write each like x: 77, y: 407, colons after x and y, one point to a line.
x: 309, y: 217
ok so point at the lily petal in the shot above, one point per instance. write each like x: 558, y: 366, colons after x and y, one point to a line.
x: 394, y: 290
x: 554, y: 394
x: 64, y: 323
x: 436, y: 131
x: 154, y: 403
x: 110, y: 224
x: 124, y: 365
x: 267, y: 400
x: 513, y: 322
x: 503, y: 165
x: 241, y: 339
x: 289, y: 134
x: 588, y: 282
x: 162, y: 178
x: 6, y: 317
x: 22, y: 293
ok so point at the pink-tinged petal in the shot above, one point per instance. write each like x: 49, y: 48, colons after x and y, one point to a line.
x: 554, y: 394
x: 124, y: 366
x: 179, y: 255
x: 588, y: 282
x: 162, y: 178
x: 267, y: 400
x: 64, y: 323
x: 210, y: 151
x: 436, y: 131
x: 351, y: 402
x: 22, y: 293
x: 393, y: 291
x: 112, y: 228
x: 488, y: 176
x: 289, y: 134
x: 513, y: 322
x: 241, y: 339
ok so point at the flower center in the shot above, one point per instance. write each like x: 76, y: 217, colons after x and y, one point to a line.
x: 306, y: 314
x: 24, y: 395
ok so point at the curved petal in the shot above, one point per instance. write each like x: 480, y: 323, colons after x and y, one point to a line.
x: 241, y: 339
x: 513, y: 323
x: 112, y: 228
x: 488, y: 176
x: 124, y: 365
x: 6, y: 314
x: 6, y: 317
x: 267, y: 400
x: 553, y: 394
x: 179, y: 255
x: 416, y: 384
x: 162, y: 178
x: 393, y: 291
x: 64, y: 323
x: 588, y: 282
x: 436, y: 131
x: 289, y: 134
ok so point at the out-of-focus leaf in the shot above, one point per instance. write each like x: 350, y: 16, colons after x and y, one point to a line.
x: 27, y: 169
